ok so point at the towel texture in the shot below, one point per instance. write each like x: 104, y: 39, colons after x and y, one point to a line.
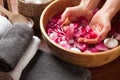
x: 13, y: 44
x: 45, y: 66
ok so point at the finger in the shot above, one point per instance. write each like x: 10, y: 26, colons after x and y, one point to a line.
x: 104, y: 32
x: 88, y: 15
x: 91, y: 41
x: 65, y: 14
x: 80, y: 39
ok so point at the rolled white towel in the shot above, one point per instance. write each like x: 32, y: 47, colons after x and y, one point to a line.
x: 5, y: 25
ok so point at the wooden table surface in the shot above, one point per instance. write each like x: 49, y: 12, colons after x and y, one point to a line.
x: 109, y: 71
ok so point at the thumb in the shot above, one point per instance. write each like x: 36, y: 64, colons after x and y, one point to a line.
x: 104, y: 32
x: 64, y: 16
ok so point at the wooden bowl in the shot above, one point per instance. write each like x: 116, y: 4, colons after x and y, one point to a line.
x: 75, y: 58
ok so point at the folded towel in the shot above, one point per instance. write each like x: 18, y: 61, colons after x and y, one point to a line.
x: 45, y: 66
x: 5, y: 25
x: 13, y: 44
x: 26, y: 58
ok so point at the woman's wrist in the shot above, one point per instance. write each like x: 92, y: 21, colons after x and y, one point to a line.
x: 110, y: 8
x: 106, y: 13
x: 89, y: 4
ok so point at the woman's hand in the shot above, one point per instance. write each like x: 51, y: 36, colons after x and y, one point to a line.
x: 85, y: 8
x: 71, y: 13
x: 101, y: 23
